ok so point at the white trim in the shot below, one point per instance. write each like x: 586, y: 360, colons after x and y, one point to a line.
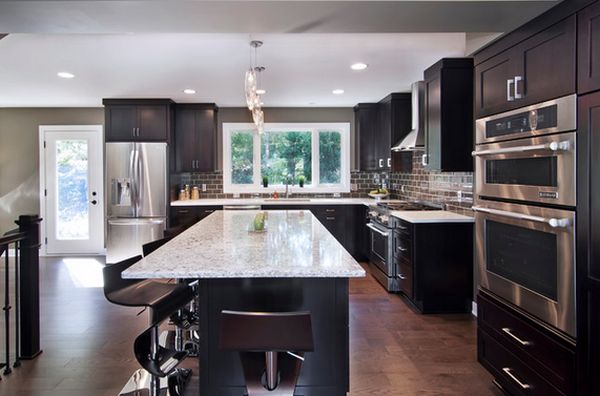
x: 42, y: 172
x: 256, y: 186
x: 474, y: 308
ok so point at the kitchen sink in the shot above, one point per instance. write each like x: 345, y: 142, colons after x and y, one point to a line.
x: 288, y: 199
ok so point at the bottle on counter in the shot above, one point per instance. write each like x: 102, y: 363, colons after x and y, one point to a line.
x: 188, y: 192
x: 182, y: 195
x: 195, y: 193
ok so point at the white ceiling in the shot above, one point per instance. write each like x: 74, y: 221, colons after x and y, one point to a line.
x: 141, y: 48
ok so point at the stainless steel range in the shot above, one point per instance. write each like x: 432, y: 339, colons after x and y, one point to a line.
x: 382, y: 225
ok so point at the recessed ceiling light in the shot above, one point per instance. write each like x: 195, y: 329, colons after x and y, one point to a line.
x: 262, y: 103
x: 65, y: 75
x: 337, y: 91
x: 189, y: 91
x: 261, y: 91
x: 359, y: 66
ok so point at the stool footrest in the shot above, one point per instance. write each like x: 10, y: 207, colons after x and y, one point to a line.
x: 165, y: 360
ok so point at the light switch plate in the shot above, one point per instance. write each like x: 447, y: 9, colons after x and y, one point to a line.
x: 204, y: 187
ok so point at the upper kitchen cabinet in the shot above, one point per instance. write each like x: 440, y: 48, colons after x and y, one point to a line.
x: 366, y: 122
x: 588, y: 39
x: 395, y: 124
x: 537, y: 69
x: 449, y: 115
x: 195, y: 137
x: 142, y: 120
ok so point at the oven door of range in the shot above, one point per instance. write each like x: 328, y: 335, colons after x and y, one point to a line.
x: 540, y: 169
x: 380, y: 248
x: 526, y: 255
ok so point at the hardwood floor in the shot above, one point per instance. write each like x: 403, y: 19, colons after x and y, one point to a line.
x: 87, y: 342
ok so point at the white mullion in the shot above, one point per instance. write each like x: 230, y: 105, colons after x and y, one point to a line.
x: 256, y: 177
x: 316, y: 178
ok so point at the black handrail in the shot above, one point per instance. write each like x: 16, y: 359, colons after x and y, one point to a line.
x: 26, y: 243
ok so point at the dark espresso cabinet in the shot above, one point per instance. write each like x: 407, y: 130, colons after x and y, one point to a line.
x: 589, y: 131
x: 195, y: 137
x: 187, y: 216
x: 588, y: 49
x: 366, y: 122
x: 435, y: 265
x: 525, y: 356
x: 143, y: 120
x: 539, y: 68
x: 449, y: 115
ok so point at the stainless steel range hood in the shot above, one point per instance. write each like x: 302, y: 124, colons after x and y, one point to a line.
x: 415, y: 139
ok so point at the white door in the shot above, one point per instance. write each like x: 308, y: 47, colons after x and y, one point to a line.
x: 72, y: 189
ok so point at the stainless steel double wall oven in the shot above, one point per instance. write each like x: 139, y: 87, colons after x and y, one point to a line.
x: 525, y: 198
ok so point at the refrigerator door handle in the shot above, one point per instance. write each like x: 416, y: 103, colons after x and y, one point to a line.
x: 139, y: 179
x: 133, y: 186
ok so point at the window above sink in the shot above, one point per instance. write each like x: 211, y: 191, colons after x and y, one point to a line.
x: 317, y: 152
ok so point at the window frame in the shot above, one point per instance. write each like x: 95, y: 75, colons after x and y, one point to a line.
x: 256, y: 187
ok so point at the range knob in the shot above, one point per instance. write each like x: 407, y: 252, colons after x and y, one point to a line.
x: 373, y: 214
x: 384, y: 219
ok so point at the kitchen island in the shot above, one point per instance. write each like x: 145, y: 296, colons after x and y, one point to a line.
x: 295, y: 265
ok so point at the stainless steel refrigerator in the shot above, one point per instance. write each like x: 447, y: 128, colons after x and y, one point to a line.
x: 136, y: 191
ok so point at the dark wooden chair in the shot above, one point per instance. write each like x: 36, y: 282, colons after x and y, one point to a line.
x: 152, y: 246
x: 271, y: 347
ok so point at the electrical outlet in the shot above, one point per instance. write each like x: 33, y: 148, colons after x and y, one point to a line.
x: 337, y: 195
x: 402, y: 188
x: 459, y: 195
x: 236, y: 195
x: 204, y: 187
x: 354, y: 187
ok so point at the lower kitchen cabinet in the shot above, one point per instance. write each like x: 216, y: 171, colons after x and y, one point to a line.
x: 525, y: 356
x: 187, y: 216
x: 435, y: 265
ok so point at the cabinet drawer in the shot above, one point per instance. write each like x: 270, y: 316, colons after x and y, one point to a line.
x: 531, y: 343
x: 511, y: 373
x: 404, y: 228
x: 405, y: 278
x: 402, y: 247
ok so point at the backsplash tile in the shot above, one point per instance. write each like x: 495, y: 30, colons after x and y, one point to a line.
x: 454, y: 189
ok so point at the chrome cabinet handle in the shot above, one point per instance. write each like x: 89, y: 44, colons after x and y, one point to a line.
x: 403, y: 228
x: 517, y: 94
x: 381, y: 162
x: 329, y: 210
x: 389, y: 162
x: 377, y: 230
x: 510, y: 333
x: 425, y: 159
x: 552, y: 222
x: 554, y: 146
x: 509, y: 96
x: 402, y: 249
x: 133, y: 131
x: 401, y: 276
x: 508, y: 372
x: 329, y: 218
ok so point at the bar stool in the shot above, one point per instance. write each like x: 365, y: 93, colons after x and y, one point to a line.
x: 271, y: 347
x: 159, y: 364
x: 185, y: 336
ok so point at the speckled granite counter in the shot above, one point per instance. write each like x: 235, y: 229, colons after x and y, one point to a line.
x: 280, y: 201
x: 295, y: 245
x: 431, y: 216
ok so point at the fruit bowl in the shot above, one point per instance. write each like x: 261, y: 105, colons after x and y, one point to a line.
x: 379, y: 196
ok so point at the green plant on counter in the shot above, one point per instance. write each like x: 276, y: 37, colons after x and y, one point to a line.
x: 265, y: 180
x: 259, y: 221
x: 301, y: 181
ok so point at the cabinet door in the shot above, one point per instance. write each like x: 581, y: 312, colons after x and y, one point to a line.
x: 383, y: 135
x: 433, y: 124
x: 153, y: 123
x: 206, y: 131
x: 365, y: 120
x: 588, y: 40
x: 546, y: 64
x: 185, y: 140
x: 121, y: 123
x: 492, y: 93
x: 589, y: 119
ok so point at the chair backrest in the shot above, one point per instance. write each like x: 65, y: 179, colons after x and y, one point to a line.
x: 152, y: 246
x: 266, y: 331
x: 112, y: 276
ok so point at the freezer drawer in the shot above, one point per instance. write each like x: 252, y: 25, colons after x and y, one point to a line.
x: 126, y: 236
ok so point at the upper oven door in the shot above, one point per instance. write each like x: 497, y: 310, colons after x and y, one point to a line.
x: 540, y: 169
x: 553, y: 116
x: 525, y: 254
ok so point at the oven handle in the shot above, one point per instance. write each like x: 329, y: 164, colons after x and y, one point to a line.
x: 553, y: 146
x: 377, y: 230
x: 552, y: 222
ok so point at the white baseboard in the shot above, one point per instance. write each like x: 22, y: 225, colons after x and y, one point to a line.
x: 474, y: 309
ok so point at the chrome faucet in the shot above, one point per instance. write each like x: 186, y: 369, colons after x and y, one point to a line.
x: 288, y: 191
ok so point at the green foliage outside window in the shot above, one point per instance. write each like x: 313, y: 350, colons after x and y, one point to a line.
x: 241, y: 157
x: 286, y: 154
x: 330, y: 157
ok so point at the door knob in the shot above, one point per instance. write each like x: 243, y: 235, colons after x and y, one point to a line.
x: 94, y: 202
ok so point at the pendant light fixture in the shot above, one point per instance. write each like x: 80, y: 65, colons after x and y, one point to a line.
x: 251, y: 81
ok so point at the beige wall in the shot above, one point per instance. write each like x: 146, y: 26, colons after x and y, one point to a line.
x: 19, y: 154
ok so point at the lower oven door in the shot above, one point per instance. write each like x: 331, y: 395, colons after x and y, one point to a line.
x: 380, y: 244
x: 539, y: 169
x: 526, y: 255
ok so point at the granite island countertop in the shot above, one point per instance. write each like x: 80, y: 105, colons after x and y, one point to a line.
x: 271, y: 201
x: 432, y: 216
x: 295, y: 245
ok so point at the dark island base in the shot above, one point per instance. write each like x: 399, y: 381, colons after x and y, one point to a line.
x: 325, y: 371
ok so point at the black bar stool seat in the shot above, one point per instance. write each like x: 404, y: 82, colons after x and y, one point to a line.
x: 271, y: 347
